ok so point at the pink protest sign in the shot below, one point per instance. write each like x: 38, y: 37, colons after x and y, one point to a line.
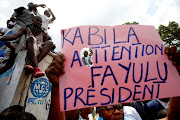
x: 113, y: 64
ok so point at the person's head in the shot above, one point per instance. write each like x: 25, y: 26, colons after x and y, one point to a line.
x: 46, y: 12
x: 162, y: 114
x: 37, y: 21
x: 85, y: 112
x: 11, y: 109
x: 11, y: 22
x: 16, y: 112
x: 74, y: 114
x: 20, y: 116
x: 85, y: 53
x: 31, y: 6
x: 13, y: 19
x: 19, y: 11
x: 111, y: 112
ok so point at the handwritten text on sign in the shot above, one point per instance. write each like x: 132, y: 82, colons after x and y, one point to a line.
x: 128, y: 64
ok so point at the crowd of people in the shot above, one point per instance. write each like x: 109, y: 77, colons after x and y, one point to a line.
x: 152, y: 110
x: 38, y: 44
x: 37, y: 41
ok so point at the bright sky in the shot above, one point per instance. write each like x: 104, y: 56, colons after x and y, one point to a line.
x: 71, y: 13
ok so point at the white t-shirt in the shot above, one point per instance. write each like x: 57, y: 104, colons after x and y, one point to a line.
x: 131, y: 113
x: 45, y: 21
x: 3, y: 30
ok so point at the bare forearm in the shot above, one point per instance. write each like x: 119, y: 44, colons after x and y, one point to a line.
x: 14, y: 36
x: 174, y: 109
x: 8, y: 38
x: 55, y: 113
x: 39, y: 5
x: 53, y: 16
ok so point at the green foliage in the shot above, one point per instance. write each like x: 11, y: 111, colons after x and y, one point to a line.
x: 127, y: 23
x: 170, y: 34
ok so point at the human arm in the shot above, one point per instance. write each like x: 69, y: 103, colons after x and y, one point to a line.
x: 38, y: 5
x: 173, y: 55
x: 53, y: 16
x: 174, y: 105
x: 174, y: 109
x: 14, y: 36
x: 54, y: 70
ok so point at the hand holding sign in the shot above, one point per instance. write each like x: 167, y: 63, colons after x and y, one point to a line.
x: 174, y: 55
x: 56, y: 68
x: 172, y: 112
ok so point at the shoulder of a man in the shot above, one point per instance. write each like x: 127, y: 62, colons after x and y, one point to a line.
x: 23, y: 29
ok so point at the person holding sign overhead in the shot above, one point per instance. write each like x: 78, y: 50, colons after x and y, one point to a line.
x: 55, y: 69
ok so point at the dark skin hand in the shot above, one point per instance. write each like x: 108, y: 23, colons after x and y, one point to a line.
x: 22, y: 31
x: 173, y: 55
x: 12, y: 37
x: 54, y: 70
x: 174, y: 105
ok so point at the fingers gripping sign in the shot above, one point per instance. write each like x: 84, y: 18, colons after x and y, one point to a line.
x: 56, y: 68
x: 173, y: 55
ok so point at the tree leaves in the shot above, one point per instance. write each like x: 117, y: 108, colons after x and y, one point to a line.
x: 170, y: 34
